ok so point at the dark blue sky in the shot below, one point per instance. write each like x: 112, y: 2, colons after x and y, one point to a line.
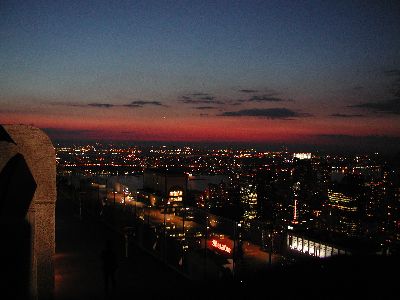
x: 276, y: 64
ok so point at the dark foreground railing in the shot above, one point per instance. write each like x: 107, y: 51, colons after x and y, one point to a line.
x: 196, y: 243
x: 202, y: 246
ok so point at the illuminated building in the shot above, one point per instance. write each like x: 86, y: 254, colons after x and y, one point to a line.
x: 248, y: 198
x: 306, y: 198
x: 394, y: 214
x: 374, y: 215
x: 320, y: 246
x: 217, y: 195
x: 302, y: 155
x: 175, y: 196
x: 296, y: 190
x: 342, y: 213
x: 312, y: 247
x: 393, y: 208
x: 169, y: 184
x: 341, y: 201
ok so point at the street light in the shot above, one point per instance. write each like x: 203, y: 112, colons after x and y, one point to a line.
x: 271, y: 240
x: 80, y: 204
x: 165, y: 229
x: 98, y: 190
x: 137, y: 196
x: 114, y: 195
x: 183, y: 220
x: 205, y: 247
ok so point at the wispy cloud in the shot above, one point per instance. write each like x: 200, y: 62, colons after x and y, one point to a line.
x: 201, y: 101
x: 199, y: 94
x: 388, y: 107
x: 248, y: 91
x: 265, y: 98
x: 267, y: 95
x: 72, y: 104
x: 200, y: 98
x: 252, y: 95
x: 235, y: 102
x: 339, y: 115
x: 205, y: 107
x: 269, y: 113
x: 101, y: 105
x: 133, y: 104
x: 141, y: 103
x: 208, y: 98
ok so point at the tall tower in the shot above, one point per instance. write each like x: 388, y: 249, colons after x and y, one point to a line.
x: 248, y: 198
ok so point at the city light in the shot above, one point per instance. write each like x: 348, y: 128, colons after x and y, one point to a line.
x: 220, y: 246
x: 255, y: 192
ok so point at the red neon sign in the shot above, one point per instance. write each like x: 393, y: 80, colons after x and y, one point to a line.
x: 220, y: 246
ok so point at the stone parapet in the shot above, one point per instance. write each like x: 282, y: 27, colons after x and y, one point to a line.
x: 27, y: 209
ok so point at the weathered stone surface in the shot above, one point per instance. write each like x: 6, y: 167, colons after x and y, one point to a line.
x: 7, y: 150
x: 38, y: 152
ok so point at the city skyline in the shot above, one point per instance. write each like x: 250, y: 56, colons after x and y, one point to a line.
x: 255, y: 72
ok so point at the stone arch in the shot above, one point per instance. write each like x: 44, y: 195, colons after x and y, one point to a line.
x: 27, y: 211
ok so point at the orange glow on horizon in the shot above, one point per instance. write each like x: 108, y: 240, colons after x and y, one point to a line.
x: 195, y: 128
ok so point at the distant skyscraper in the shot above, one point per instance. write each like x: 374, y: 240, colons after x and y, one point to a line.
x: 305, y: 192
x: 342, y: 213
x: 248, y: 197
x: 217, y: 195
x: 266, y: 202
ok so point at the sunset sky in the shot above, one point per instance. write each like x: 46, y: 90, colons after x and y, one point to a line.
x: 294, y: 72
